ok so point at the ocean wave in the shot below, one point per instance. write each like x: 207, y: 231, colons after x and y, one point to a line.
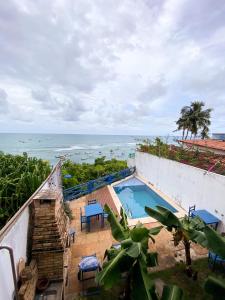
x: 94, y: 147
x: 71, y: 148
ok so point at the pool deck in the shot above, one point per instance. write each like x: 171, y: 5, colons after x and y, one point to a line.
x: 99, y: 239
x: 146, y: 220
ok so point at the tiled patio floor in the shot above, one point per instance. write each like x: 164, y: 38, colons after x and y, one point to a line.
x: 99, y: 239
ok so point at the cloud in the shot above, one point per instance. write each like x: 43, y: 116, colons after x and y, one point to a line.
x: 115, y: 66
x: 4, y: 105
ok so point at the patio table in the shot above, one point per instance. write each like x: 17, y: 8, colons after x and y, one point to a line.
x: 207, y: 217
x: 93, y: 210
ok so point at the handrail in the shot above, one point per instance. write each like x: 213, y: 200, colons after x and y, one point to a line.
x: 92, y: 185
x: 12, y: 221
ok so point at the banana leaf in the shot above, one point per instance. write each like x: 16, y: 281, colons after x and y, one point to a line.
x: 118, y: 232
x: 163, y: 215
x: 215, y: 286
x: 110, y: 274
x: 216, y: 242
x: 172, y: 292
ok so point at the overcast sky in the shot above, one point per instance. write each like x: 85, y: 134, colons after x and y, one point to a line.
x: 109, y: 66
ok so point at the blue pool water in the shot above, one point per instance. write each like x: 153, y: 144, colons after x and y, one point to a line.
x: 134, y: 195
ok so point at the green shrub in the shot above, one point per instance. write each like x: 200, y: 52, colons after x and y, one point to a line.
x: 84, y: 172
x: 20, y: 176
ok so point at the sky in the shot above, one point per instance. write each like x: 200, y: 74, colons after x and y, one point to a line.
x: 109, y: 66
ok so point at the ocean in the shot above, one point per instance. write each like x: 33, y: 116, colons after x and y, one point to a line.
x: 79, y: 148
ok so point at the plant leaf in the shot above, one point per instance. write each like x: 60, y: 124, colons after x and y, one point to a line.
x: 172, y: 292
x: 216, y: 242
x: 110, y: 271
x: 141, y: 284
x: 123, y: 220
x: 134, y: 250
x: 152, y: 259
x: 215, y: 286
x: 118, y: 232
x: 139, y: 233
x: 163, y: 215
x: 155, y: 230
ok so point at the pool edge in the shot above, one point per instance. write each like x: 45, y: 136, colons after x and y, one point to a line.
x: 145, y: 220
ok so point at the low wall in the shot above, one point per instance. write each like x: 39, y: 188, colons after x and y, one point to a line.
x: 14, y: 235
x: 185, y: 184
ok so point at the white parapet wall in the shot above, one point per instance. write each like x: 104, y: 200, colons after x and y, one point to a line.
x: 185, y: 184
x: 14, y: 235
x: 16, y: 238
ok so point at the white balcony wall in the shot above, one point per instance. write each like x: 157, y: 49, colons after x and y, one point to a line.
x: 16, y: 238
x: 185, y: 184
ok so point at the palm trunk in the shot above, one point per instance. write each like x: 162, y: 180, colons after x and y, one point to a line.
x: 186, y: 134
x: 183, y: 134
x: 187, y: 247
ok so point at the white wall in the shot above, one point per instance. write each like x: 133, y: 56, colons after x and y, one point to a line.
x: 16, y: 238
x: 185, y: 184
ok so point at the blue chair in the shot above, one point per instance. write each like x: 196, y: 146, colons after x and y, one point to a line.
x: 191, y: 209
x: 83, y: 220
x: 215, y: 260
x: 93, y: 201
x: 88, y: 263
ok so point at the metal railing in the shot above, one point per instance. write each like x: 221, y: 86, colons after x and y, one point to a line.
x: 92, y: 185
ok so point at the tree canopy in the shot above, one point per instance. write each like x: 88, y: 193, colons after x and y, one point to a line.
x: 194, y: 120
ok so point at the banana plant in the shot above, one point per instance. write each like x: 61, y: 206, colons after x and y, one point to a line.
x: 183, y: 230
x: 132, y: 260
x: 215, y: 287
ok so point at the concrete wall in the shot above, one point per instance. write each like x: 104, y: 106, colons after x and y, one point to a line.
x: 16, y: 238
x: 14, y: 235
x: 185, y: 184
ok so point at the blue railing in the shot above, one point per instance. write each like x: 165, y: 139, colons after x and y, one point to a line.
x: 92, y: 185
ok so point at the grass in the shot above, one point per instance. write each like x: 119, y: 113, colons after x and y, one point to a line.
x: 192, y: 289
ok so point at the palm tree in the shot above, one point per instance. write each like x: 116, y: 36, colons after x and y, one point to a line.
x: 132, y: 260
x: 193, y: 119
x: 183, y: 230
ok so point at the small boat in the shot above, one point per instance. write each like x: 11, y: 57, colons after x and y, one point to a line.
x: 84, y: 158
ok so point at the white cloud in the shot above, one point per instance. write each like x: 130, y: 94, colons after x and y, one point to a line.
x: 109, y: 66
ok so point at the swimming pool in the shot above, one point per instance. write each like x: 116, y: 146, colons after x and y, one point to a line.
x: 134, y: 195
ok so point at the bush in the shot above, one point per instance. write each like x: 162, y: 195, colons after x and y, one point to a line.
x: 20, y: 176
x: 82, y: 173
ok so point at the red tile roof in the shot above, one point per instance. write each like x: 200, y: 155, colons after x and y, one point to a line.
x: 211, y: 144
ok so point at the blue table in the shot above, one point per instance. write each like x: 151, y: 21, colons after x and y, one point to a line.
x: 93, y: 210
x: 206, y: 217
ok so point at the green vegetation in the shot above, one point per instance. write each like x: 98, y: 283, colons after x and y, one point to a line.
x: 128, y: 265
x: 194, y: 120
x: 203, y: 160
x: 20, y: 176
x: 193, y: 289
x: 131, y: 267
x: 183, y: 230
x: 84, y: 172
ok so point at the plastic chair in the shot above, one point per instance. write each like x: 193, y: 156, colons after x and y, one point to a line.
x: 191, y: 209
x: 88, y: 263
x: 93, y: 201
x: 215, y: 260
x: 83, y: 220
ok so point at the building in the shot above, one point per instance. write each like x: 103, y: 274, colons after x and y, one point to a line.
x: 213, y: 145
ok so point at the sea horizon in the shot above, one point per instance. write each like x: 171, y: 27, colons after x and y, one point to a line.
x: 80, y: 148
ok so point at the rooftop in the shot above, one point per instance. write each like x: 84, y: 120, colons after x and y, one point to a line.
x: 209, y: 143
